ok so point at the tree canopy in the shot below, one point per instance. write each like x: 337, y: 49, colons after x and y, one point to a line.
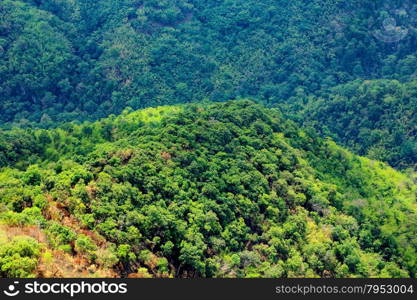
x: 213, y: 190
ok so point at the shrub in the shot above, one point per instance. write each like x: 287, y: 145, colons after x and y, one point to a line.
x: 19, y: 257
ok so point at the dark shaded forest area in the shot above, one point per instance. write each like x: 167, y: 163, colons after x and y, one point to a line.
x: 66, y: 60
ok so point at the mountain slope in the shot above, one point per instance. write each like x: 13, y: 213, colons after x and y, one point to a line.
x: 65, y: 60
x: 219, y: 190
x: 375, y: 118
x: 74, y: 59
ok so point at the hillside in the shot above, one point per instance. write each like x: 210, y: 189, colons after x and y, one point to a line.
x: 66, y: 60
x: 376, y: 118
x: 208, y: 190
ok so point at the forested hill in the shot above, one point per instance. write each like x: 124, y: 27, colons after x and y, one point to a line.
x: 66, y: 60
x: 375, y: 118
x: 215, y: 190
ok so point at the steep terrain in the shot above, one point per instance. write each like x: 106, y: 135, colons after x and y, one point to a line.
x: 208, y: 190
x: 65, y: 60
x: 376, y: 118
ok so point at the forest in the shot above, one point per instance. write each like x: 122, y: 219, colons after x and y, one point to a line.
x: 74, y: 60
x: 216, y: 138
x: 214, y: 190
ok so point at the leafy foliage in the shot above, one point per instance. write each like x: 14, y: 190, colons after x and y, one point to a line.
x: 18, y: 258
x: 65, y: 60
x: 373, y: 118
x: 216, y: 190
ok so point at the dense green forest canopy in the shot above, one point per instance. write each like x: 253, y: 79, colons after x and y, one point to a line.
x: 65, y: 60
x: 376, y: 118
x: 215, y: 190
x: 121, y: 154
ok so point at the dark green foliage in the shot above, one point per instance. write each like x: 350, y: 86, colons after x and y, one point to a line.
x: 18, y: 147
x: 77, y: 60
x: 373, y: 118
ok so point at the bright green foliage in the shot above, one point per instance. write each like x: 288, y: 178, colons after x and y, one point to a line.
x: 60, y: 235
x: 66, y: 60
x: 19, y: 257
x: 209, y: 190
x: 220, y: 190
x: 84, y: 245
x: 73, y: 59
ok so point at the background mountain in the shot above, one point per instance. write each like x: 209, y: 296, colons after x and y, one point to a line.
x: 376, y: 118
x: 65, y: 60
x: 224, y: 190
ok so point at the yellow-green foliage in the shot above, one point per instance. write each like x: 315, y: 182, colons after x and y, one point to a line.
x: 149, y: 115
x: 18, y: 256
x: 221, y: 190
